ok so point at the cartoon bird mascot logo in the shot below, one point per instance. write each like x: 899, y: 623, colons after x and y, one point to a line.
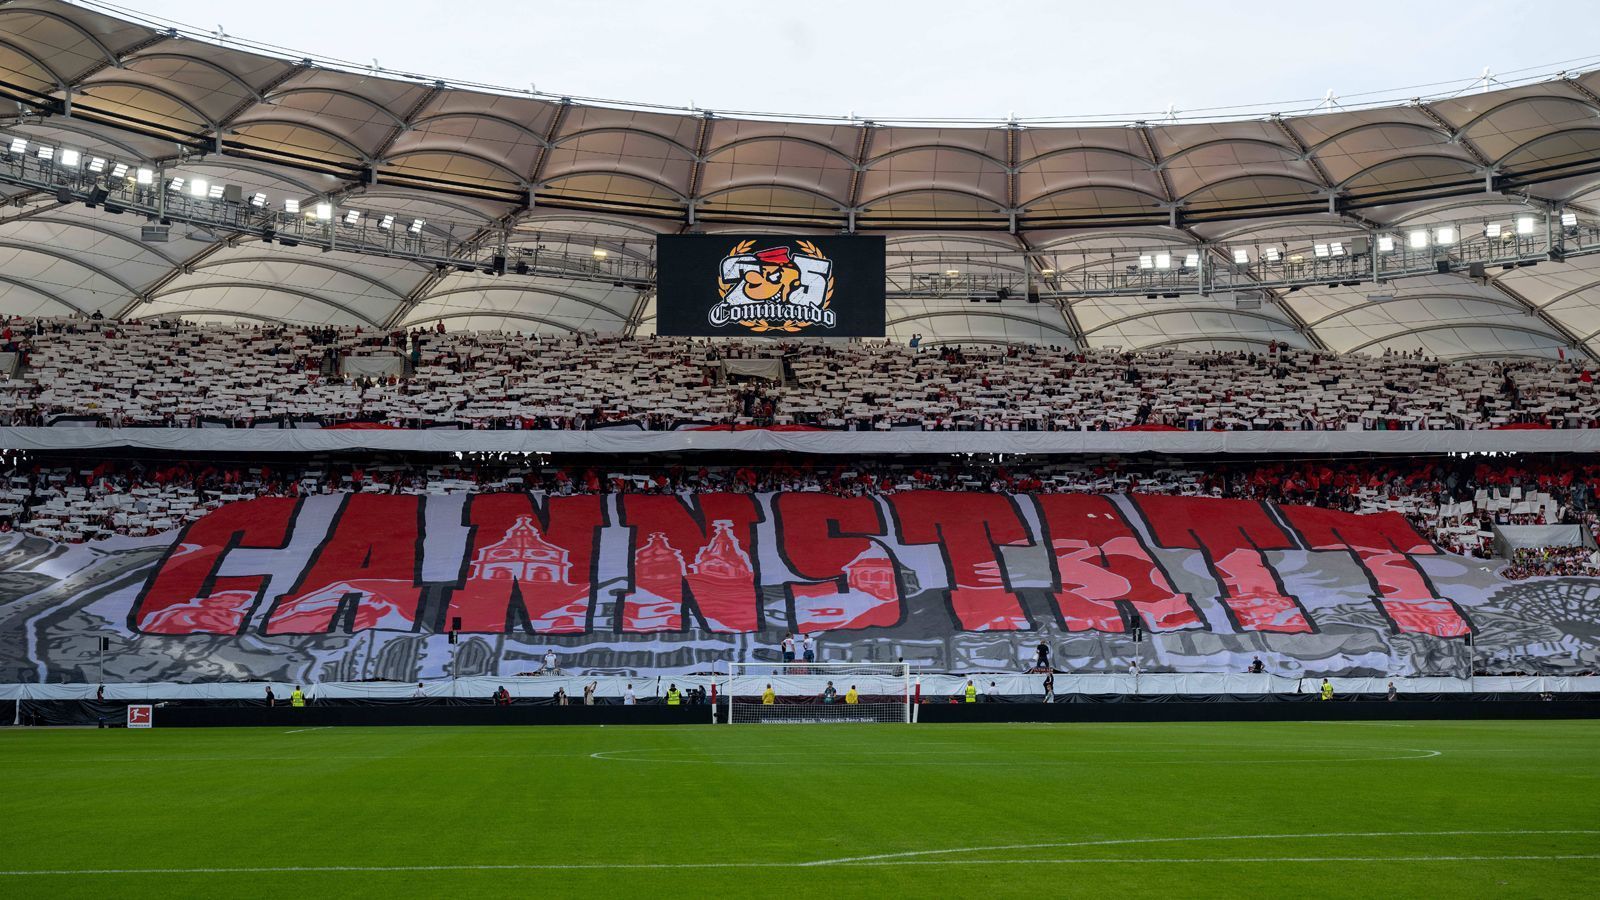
x: 774, y: 289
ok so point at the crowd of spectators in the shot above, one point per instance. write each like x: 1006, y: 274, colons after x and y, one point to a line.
x: 1541, y: 562
x: 169, y: 373
x: 1454, y: 501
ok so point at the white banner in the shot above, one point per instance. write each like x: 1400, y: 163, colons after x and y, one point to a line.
x: 290, y: 440
x: 934, y: 687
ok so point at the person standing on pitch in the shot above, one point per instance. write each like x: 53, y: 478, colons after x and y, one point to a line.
x: 972, y: 692
x: 297, y: 698
x: 1049, y: 687
x: 1327, y: 689
x: 1393, y: 693
x: 588, y: 693
x: 272, y: 699
x: 674, y: 698
x: 628, y: 699
x: 769, y: 697
x: 828, y: 693
x: 851, y: 698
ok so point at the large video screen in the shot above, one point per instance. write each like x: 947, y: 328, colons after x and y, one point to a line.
x: 763, y: 285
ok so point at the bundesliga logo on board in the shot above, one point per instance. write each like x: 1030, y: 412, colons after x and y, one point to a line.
x: 774, y: 289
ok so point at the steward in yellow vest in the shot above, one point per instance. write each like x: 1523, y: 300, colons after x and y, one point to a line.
x: 972, y: 692
x: 674, y: 698
x: 298, y: 698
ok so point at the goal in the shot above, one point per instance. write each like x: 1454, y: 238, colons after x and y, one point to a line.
x: 800, y: 692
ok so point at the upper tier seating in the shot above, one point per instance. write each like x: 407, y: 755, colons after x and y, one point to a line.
x: 174, y: 374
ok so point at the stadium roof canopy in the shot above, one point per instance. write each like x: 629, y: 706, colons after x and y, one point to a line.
x: 1102, y: 222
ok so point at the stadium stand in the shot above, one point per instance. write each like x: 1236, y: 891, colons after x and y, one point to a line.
x: 200, y: 234
x: 76, y: 371
x: 1453, y: 501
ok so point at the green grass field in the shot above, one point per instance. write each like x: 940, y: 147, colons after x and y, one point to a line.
x: 1174, y: 810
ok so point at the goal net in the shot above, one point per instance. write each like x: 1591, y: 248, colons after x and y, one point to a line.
x: 813, y: 693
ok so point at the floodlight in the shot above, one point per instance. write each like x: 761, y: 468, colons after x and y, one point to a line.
x: 351, y: 217
x: 1336, y: 248
x: 258, y: 200
x: 386, y: 223
x: 324, y: 211
x: 1418, y: 239
x: 145, y: 176
x: 215, y: 193
x: 952, y: 273
x: 198, y: 188
x: 600, y: 253
x: 1241, y: 257
x: 416, y: 226
x: 1146, y: 261
x: 1568, y: 219
x: 47, y: 152
x: 291, y: 205
x: 1445, y: 235
x: 1321, y: 250
x: 1163, y: 260
x: 176, y: 184
x: 1491, y: 230
x: 1272, y: 254
x: 1524, y: 224
x: 70, y: 157
x: 1385, y: 243
x: 1191, y: 261
x: 19, y: 145
x: 120, y: 170
x: 97, y: 164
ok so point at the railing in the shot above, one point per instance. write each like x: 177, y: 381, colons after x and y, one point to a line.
x: 1343, y: 256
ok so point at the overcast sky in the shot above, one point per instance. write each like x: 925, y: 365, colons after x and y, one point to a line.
x: 924, y: 57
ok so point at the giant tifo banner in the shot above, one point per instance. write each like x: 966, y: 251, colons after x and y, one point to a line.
x: 341, y: 587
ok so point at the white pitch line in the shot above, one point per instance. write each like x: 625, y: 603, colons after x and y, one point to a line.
x: 1034, y: 761
x: 1218, y: 859
x: 891, y: 859
x: 304, y: 730
x: 515, y: 867
x: 1117, y: 842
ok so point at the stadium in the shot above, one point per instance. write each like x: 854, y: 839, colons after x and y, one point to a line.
x: 411, y: 485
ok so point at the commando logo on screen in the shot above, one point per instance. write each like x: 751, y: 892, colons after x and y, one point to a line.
x: 774, y: 289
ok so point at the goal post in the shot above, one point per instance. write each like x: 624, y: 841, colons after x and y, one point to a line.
x: 861, y: 692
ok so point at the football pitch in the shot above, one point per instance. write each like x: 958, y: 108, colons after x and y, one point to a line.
x: 1423, y: 809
